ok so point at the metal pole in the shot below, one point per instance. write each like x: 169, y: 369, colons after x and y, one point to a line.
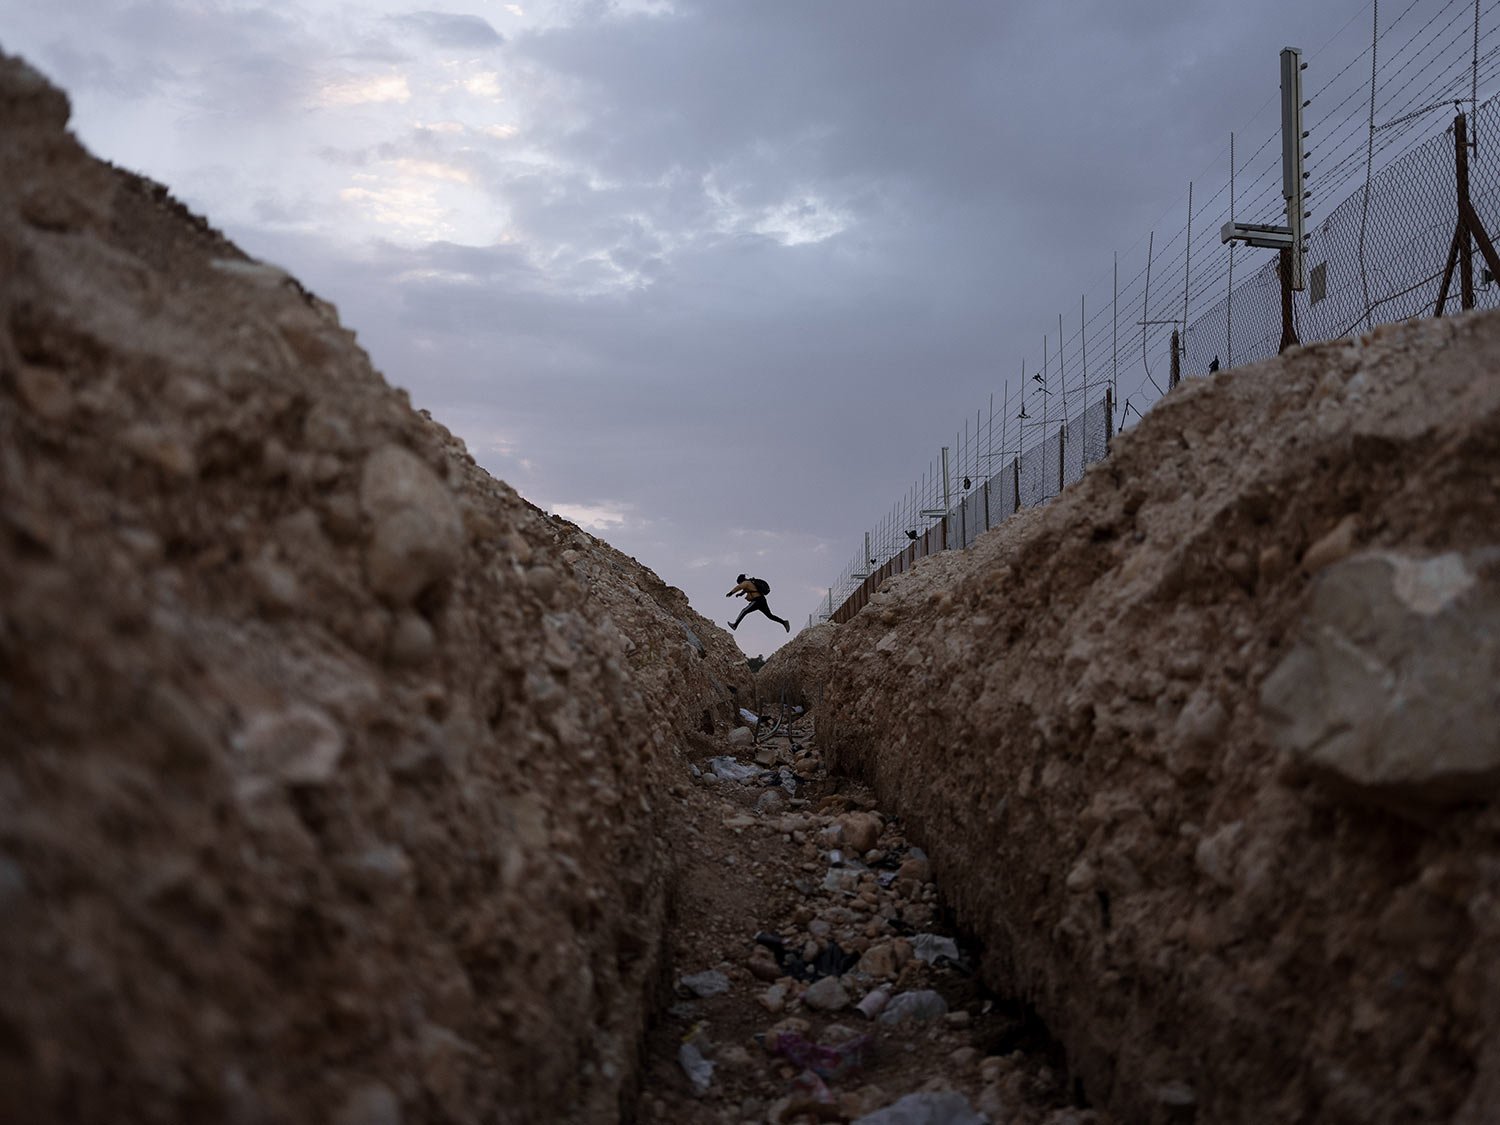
x: 1114, y: 369
x: 1288, y: 324
x: 1364, y: 219
x: 1046, y: 375
x: 1062, y: 378
x: 1083, y: 343
x: 947, y: 485
x: 1466, y: 239
x: 1229, y: 298
x: 1145, y: 301
x: 1005, y: 421
x: 1292, y: 187
x: 1187, y: 265
x: 1175, y: 375
x: 1474, y: 80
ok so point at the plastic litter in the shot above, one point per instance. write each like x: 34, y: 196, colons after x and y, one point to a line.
x: 732, y: 769
x: 710, y: 982
x: 831, y: 961
x: 749, y: 716
x: 826, y: 1062
x: 699, y: 1070
x: 931, y: 947
x: 919, y: 1006
x: 946, y: 1108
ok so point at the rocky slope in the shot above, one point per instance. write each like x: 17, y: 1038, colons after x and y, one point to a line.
x: 333, y: 771
x: 1205, y: 752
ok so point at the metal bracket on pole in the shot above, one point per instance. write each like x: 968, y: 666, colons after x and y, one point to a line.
x: 1291, y: 237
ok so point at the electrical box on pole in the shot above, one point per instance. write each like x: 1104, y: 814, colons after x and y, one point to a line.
x: 1291, y: 237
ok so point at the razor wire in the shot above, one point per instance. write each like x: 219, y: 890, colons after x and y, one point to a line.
x: 1111, y: 363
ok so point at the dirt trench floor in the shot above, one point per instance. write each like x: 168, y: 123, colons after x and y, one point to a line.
x: 814, y: 978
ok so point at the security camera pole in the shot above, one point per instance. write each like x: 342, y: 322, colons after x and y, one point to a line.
x: 1290, y: 240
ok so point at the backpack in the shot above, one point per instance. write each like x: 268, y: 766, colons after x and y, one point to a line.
x: 762, y: 585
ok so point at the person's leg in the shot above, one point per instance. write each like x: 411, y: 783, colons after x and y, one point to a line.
x: 735, y: 623
x: 761, y: 604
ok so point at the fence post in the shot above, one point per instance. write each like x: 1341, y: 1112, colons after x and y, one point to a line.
x: 1466, y: 244
x: 1288, y: 326
x: 1468, y: 230
x: 1175, y: 376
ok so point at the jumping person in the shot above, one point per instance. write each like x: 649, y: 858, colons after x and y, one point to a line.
x: 754, y: 590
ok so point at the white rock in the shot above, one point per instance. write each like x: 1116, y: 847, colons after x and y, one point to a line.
x: 945, y: 1108
x: 826, y: 995
x: 1391, y: 689
x: 710, y: 982
x: 299, y: 746
x: 417, y: 536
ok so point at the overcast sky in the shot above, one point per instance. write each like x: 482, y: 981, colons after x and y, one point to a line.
x: 712, y: 278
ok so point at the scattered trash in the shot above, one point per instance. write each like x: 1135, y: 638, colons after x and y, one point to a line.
x: 710, y: 982
x: 832, y: 961
x: 946, y: 1108
x: 750, y: 717
x: 774, y: 942
x: 874, y: 1003
x: 825, y: 1062
x: 885, y: 878
x: 782, y: 777
x: 836, y: 858
x: 919, y: 1006
x: 699, y: 1070
x: 732, y: 769
x: 931, y: 947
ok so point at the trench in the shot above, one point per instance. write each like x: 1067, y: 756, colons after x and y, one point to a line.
x: 815, y: 980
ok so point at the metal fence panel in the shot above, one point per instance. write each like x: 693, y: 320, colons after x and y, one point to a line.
x: 1002, y: 493
x: 1039, y: 472
x: 973, y: 512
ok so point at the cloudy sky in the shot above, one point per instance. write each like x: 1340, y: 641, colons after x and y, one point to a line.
x: 712, y: 278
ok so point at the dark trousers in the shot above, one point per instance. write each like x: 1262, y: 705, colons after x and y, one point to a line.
x: 759, y: 604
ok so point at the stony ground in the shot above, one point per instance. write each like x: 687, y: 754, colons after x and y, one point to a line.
x: 815, y: 978
x: 1207, y: 749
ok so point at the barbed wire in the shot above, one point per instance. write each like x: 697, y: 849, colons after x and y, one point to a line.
x: 1177, y: 277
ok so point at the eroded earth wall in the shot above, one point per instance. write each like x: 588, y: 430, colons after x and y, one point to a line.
x: 331, y: 771
x: 1205, y: 752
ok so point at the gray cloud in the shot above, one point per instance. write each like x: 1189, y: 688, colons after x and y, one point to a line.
x: 443, y: 29
x: 745, y: 248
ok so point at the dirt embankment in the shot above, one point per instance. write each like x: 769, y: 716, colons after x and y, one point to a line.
x: 1206, y: 751
x: 333, y: 772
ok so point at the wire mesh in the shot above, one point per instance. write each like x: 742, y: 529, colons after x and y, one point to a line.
x: 1043, y: 434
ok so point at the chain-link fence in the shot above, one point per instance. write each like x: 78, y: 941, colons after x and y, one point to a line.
x: 1379, y: 256
x: 1407, y: 223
